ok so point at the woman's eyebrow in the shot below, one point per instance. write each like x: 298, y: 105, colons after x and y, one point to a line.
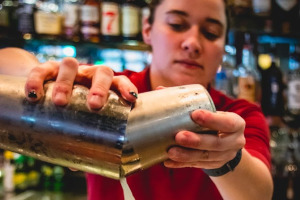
x: 178, y: 12
x: 214, y: 21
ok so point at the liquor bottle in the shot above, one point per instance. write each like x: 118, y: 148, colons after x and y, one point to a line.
x: 58, y: 178
x: 25, y: 13
x: 111, y: 21
x: 225, y: 80
x: 48, y: 19
x: 90, y: 21
x: 1, y: 170
x: 261, y: 8
x: 272, y: 102
x: 241, y: 7
x: 293, y: 88
x: 21, y: 173
x: 71, y: 20
x: 248, y: 76
x: 131, y: 11
x: 285, y: 14
x: 34, y: 173
x: 4, y: 18
x: 8, y: 17
x: 9, y: 170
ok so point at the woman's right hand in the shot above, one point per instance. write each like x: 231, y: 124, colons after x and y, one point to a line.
x: 67, y: 72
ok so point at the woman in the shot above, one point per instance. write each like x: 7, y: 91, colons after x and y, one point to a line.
x: 187, y: 39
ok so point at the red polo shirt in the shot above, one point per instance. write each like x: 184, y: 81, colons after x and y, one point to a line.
x: 161, y: 183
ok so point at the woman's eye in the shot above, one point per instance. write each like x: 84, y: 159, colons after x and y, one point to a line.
x: 210, y: 36
x: 177, y: 27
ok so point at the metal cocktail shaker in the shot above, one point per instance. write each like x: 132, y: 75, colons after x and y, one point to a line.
x: 116, y: 141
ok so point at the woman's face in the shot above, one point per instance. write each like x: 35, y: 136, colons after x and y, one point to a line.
x: 187, y: 39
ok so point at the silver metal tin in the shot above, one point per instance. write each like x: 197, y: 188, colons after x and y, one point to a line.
x: 114, y: 141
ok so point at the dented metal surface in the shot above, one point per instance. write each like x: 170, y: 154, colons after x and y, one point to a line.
x: 114, y: 141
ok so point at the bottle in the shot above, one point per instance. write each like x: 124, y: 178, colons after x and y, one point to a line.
x: 131, y: 11
x: 111, y: 21
x: 225, y: 80
x: 285, y: 14
x: 21, y: 173
x: 8, y: 18
x: 71, y: 22
x: 25, y: 13
x: 9, y: 170
x: 272, y: 102
x: 241, y: 7
x: 262, y: 8
x: 1, y: 170
x: 116, y: 141
x: 34, y: 173
x: 90, y: 21
x: 48, y: 19
x: 293, y: 88
x: 4, y: 17
x: 58, y: 178
x: 248, y: 76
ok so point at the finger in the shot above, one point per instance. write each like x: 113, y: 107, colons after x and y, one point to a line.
x: 34, y: 86
x: 101, y: 84
x: 180, y: 154
x: 199, y: 164
x: 62, y: 89
x: 73, y: 169
x: 210, y: 142
x: 226, y: 122
x: 125, y: 87
x: 85, y: 74
x: 160, y: 87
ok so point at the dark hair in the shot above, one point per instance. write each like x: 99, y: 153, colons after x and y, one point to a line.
x: 152, y: 6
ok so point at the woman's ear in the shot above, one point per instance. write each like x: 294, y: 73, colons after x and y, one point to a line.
x: 146, y: 31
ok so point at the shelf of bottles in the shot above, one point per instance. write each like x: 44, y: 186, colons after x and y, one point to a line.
x: 95, y: 32
x: 267, y: 72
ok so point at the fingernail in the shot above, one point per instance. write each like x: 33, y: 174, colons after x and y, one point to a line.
x: 134, y: 94
x: 95, y: 98
x: 32, y: 94
x: 96, y: 102
x: 61, y: 96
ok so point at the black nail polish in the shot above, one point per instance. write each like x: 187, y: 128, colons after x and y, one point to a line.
x: 134, y: 94
x: 32, y: 94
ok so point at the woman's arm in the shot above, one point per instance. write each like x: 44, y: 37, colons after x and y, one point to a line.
x: 16, y: 61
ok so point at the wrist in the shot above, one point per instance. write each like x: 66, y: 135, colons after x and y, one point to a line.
x: 227, y: 167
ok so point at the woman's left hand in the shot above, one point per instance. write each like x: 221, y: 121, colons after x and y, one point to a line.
x: 208, y: 151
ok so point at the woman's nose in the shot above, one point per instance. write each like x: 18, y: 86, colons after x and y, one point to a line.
x: 191, y: 45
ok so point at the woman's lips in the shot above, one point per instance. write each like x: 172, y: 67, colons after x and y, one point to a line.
x: 189, y: 64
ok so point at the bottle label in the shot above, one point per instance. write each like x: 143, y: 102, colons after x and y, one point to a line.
x: 89, y: 14
x: 110, y: 19
x: 25, y: 16
x: 71, y: 15
x: 48, y: 23
x: 261, y: 6
x: 294, y: 94
x: 242, y: 3
x: 130, y: 21
x: 246, y: 87
x: 286, y: 4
